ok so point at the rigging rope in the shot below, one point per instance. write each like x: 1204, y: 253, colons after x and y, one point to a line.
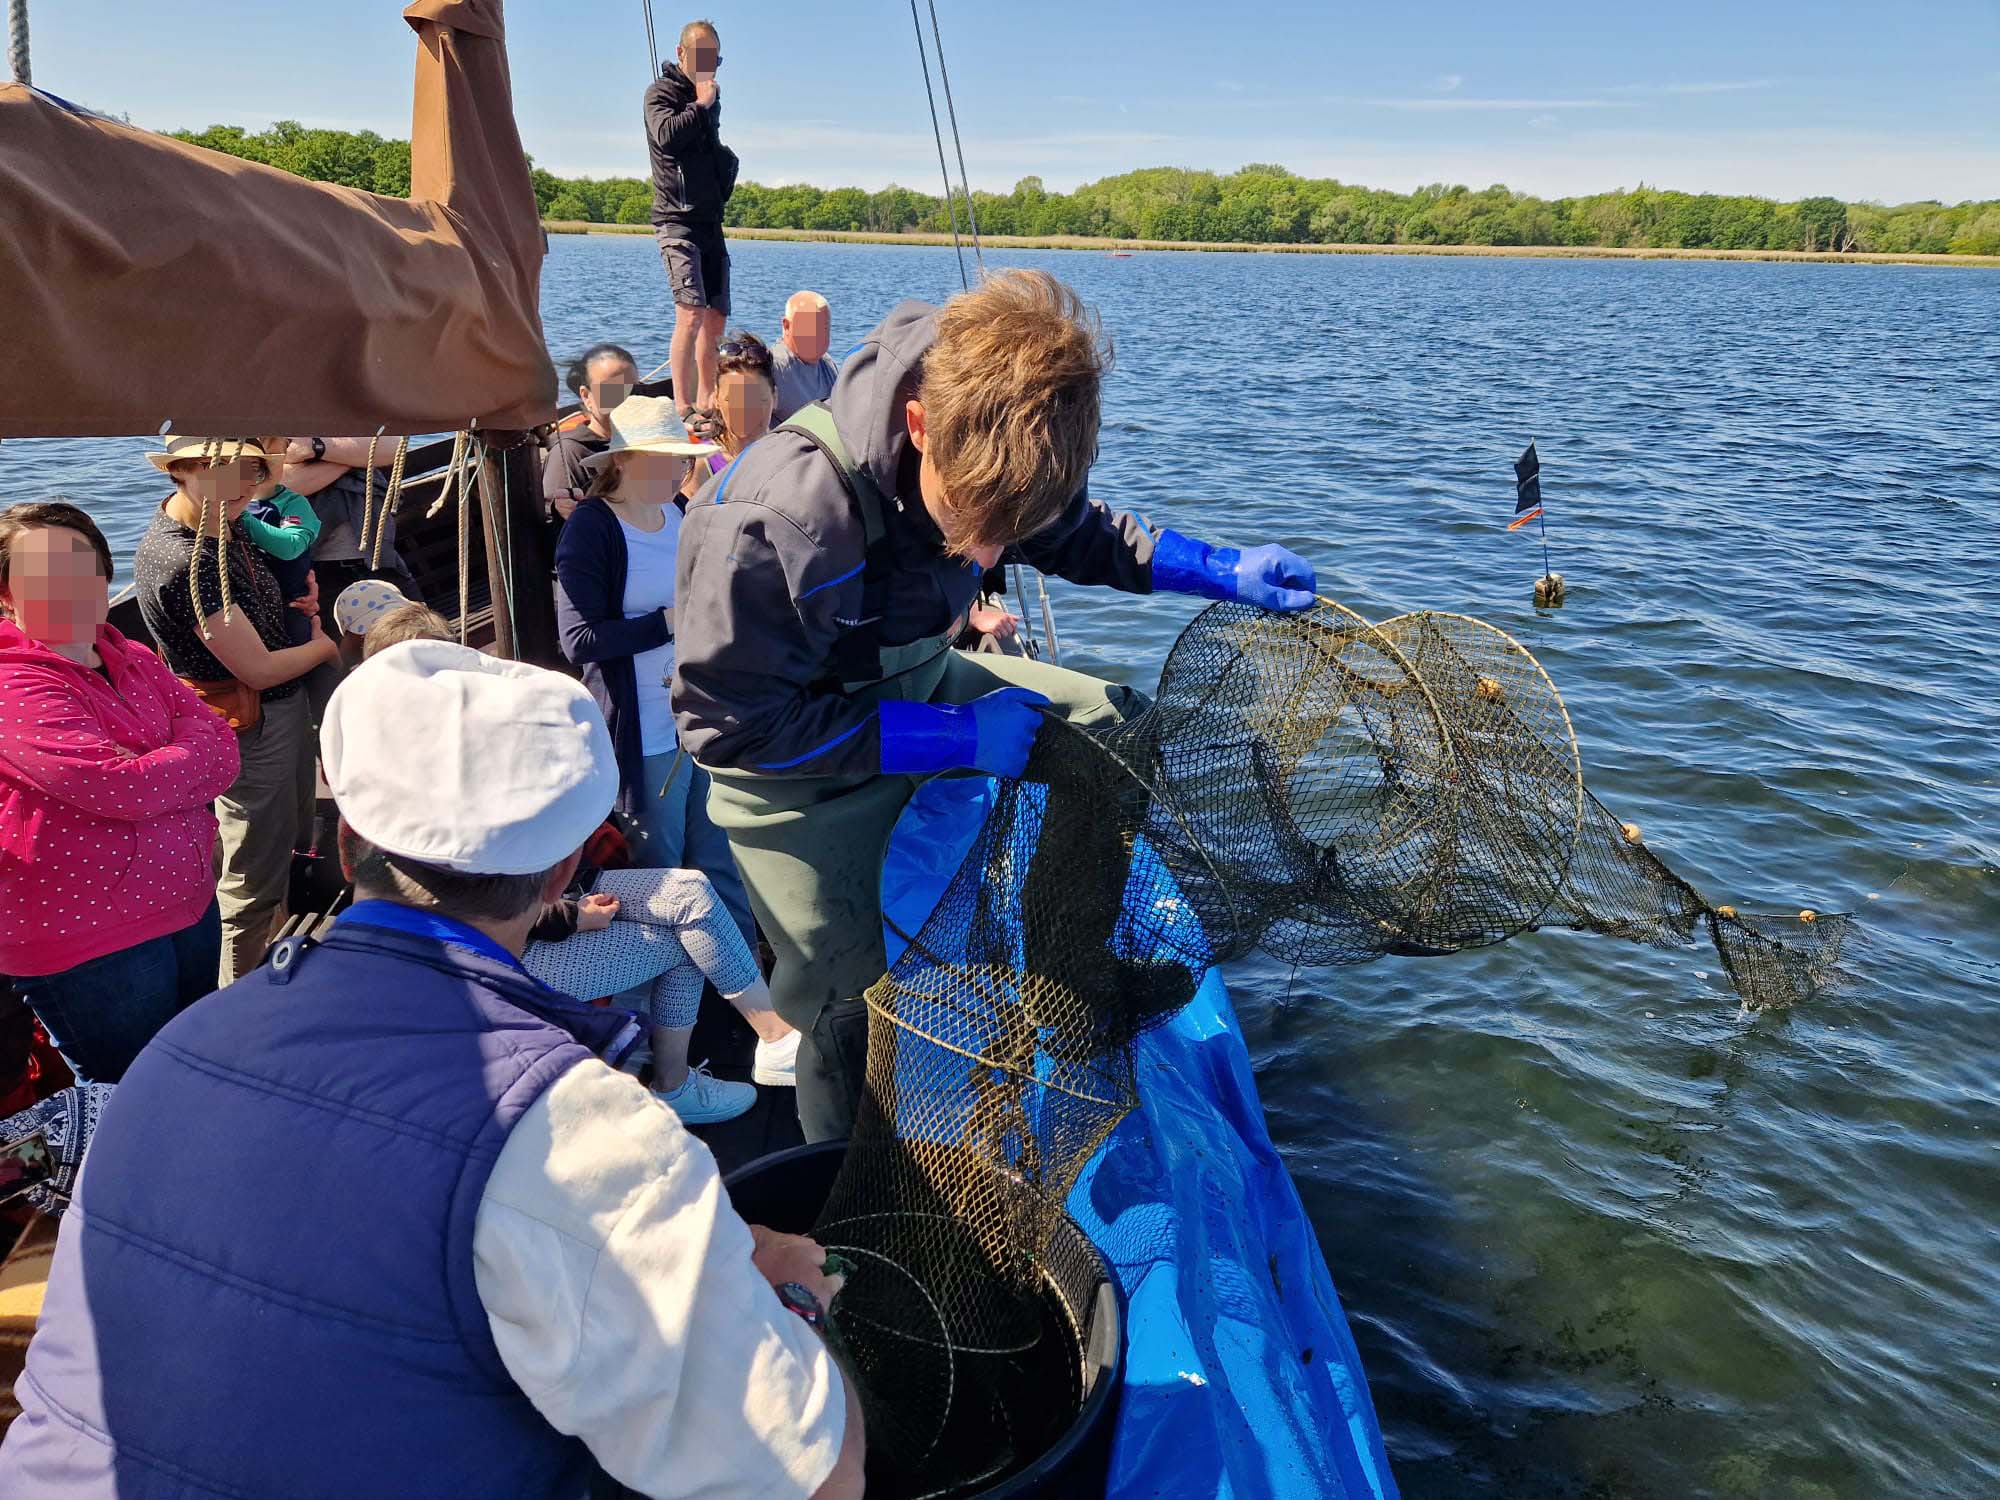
x: 937, y: 132
x: 17, y: 42
x: 978, y: 255
x: 652, y: 45
x: 211, y: 455
x: 465, y: 549
x: 392, y: 496
x: 506, y: 520
x: 951, y: 112
x: 458, y: 442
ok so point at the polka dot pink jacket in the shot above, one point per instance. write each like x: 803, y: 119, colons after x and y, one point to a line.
x: 106, y: 838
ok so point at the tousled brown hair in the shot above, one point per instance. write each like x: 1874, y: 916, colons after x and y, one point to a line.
x: 1011, y: 405
x: 42, y: 515
x: 406, y: 622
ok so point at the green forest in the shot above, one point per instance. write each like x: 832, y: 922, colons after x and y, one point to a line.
x: 1258, y: 204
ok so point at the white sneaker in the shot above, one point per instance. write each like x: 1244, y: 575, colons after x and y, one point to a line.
x: 703, y: 1100
x: 777, y: 1063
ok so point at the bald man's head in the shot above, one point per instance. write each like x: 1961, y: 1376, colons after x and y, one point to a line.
x: 808, y: 327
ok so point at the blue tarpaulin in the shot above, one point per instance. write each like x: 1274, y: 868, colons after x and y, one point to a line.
x: 1241, y: 1377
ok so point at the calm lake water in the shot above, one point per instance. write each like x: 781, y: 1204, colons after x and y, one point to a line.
x: 1599, y: 1233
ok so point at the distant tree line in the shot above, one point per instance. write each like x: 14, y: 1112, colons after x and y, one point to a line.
x: 1259, y: 204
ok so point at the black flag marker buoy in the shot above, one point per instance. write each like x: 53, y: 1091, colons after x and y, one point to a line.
x: 1528, y: 507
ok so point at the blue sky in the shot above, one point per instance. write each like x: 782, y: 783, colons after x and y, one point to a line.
x: 1781, y: 97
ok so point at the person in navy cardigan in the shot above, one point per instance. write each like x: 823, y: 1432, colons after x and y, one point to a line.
x: 614, y: 610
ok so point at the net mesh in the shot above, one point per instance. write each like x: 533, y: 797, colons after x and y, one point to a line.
x: 1327, y: 789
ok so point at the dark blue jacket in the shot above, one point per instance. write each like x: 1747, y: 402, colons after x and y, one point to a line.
x: 590, y: 617
x: 265, y: 1286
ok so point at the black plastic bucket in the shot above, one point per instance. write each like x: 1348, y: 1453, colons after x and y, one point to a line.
x: 786, y: 1191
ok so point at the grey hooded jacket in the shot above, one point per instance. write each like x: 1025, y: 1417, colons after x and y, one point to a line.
x: 771, y: 560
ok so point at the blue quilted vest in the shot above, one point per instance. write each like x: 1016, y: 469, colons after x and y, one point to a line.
x: 265, y: 1287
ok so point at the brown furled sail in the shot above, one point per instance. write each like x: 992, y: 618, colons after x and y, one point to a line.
x: 144, y: 280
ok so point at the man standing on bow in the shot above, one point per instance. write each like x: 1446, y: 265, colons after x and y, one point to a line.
x: 693, y: 176
x: 822, y: 580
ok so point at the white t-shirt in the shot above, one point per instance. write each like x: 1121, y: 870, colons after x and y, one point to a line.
x: 650, y: 557
x: 617, y: 1280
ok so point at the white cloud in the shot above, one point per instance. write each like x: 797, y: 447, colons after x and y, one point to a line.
x: 1690, y: 88
x: 1448, y: 83
x: 1470, y: 104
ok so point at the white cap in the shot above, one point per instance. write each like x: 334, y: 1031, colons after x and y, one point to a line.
x: 487, y: 767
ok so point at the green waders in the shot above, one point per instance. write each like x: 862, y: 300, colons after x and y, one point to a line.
x: 810, y: 848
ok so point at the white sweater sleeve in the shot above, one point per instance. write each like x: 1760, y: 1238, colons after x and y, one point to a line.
x: 618, y: 1283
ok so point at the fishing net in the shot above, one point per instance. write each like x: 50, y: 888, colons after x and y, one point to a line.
x: 1326, y: 789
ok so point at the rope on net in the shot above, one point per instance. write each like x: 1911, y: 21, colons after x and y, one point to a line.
x: 1323, y: 788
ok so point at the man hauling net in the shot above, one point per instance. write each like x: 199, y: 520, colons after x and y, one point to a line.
x: 823, y: 577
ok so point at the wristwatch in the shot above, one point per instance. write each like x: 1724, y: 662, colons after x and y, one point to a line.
x: 319, y: 449
x: 800, y: 1299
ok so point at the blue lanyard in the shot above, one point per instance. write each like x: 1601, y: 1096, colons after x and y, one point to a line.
x: 435, y: 925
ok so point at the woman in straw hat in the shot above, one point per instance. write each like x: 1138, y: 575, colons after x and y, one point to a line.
x: 614, y: 603
x: 222, y: 629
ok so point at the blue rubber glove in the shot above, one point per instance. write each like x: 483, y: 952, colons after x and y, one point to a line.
x: 992, y: 734
x: 1269, y: 576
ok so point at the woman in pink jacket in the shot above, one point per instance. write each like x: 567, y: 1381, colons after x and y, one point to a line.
x: 108, y: 922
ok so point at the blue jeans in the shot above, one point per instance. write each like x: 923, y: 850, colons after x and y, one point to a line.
x: 676, y: 834
x: 99, y: 1014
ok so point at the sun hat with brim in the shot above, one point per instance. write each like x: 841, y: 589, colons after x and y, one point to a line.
x: 365, y: 601
x: 213, y: 450
x: 438, y: 753
x: 647, y: 424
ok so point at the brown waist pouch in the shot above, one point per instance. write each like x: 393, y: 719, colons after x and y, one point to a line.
x: 240, y: 705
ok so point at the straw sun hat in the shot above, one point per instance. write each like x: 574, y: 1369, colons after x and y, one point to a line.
x: 217, y: 450
x: 647, y: 424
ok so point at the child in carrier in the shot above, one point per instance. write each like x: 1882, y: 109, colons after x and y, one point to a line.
x: 283, y: 525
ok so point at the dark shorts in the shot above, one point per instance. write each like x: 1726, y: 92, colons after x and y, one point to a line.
x: 697, y: 263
